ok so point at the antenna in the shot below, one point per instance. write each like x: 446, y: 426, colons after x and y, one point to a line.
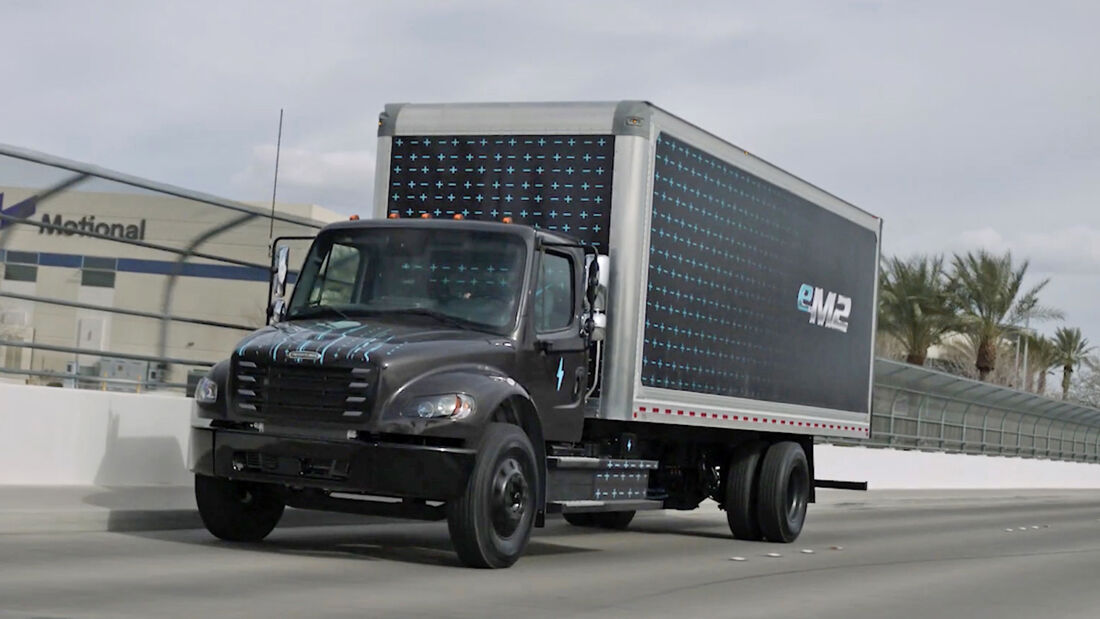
x: 275, y: 186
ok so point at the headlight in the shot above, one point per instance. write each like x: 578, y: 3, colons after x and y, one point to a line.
x: 449, y: 406
x: 206, y: 392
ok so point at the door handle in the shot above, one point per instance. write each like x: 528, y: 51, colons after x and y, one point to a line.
x: 578, y: 377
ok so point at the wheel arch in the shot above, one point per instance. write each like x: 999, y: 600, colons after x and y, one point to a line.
x: 519, y: 410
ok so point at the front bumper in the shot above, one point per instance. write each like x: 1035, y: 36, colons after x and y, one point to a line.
x: 386, y: 469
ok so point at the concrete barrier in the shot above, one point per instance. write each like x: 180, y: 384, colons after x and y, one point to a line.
x: 913, y: 470
x: 70, y: 437
x: 66, y: 437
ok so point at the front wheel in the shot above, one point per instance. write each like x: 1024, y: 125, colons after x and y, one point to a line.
x: 237, y: 511
x: 490, y: 524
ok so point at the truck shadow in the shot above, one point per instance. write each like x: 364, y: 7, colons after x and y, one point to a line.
x: 425, y: 547
x: 388, y: 540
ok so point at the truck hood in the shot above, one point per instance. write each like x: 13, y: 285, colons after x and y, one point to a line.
x: 342, y: 342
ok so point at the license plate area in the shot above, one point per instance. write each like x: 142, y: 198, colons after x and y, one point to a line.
x: 290, y: 466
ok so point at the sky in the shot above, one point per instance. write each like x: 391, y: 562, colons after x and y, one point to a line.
x: 964, y: 125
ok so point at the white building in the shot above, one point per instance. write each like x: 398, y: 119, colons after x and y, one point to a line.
x: 67, y: 264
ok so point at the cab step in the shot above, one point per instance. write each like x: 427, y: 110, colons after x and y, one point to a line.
x: 583, y: 462
x: 580, y: 507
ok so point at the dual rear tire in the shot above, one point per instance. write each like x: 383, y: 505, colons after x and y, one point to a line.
x: 767, y: 491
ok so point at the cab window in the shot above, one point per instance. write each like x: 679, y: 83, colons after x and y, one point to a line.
x: 336, y: 277
x: 554, y: 301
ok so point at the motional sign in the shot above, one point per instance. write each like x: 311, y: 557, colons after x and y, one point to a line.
x: 826, y: 309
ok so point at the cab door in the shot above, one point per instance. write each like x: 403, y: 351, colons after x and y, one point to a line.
x: 558, y: 367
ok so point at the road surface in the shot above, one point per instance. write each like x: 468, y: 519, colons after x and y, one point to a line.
x: 877, y: 554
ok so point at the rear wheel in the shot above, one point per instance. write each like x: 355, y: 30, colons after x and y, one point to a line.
x: 741, y: 495
x: 784, y: 492
x: 237, y: 511
x: 603, y: 520
x: 490, y: 524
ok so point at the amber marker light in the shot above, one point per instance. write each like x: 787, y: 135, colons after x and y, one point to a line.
x: 506, y: 220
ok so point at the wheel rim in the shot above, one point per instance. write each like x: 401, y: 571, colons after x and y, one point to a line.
x: 796, y: 494
x: 511, y: 497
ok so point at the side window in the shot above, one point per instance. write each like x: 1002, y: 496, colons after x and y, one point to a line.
x: 554, y: 293
x: 336, y: 277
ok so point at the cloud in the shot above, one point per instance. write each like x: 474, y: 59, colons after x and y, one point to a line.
x: 1072, y: 250
x: 329, y: 178
x: 983, y: 238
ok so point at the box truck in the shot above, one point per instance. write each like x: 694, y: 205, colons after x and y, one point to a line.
x: 585, y: 309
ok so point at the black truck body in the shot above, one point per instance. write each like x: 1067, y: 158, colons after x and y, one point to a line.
x: 581, y: 308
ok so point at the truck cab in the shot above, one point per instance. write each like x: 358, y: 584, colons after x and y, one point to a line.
x: 407, y: 346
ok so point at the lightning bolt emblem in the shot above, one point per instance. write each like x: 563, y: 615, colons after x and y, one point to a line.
x: 561, y: 371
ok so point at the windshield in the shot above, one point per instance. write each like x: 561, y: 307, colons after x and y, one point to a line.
x: 458, y: 277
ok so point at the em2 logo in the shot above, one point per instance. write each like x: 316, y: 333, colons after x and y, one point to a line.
x: 826, y: 309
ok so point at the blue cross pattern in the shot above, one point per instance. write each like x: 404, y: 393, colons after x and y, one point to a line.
x: 718, y: 248
x: 554, y: 182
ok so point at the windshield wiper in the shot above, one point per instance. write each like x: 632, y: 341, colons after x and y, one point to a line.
x: 318, y: 310
x: 447, y: 319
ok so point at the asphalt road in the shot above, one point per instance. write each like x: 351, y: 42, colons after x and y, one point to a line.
x: 878, y: 554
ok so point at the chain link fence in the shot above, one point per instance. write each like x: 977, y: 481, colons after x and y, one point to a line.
x: 921, y: 409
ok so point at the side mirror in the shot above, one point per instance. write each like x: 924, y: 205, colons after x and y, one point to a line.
x: 596, y: 325
x: 279, y: 271
x: 276, y: 312
x: 599, y: 275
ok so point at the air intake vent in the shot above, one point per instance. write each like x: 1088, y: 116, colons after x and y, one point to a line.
x: 273, y: 391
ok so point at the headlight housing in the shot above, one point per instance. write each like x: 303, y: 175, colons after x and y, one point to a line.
x: 206, y: 392
x: 445, y: 406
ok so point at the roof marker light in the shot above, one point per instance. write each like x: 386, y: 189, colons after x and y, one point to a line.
x: 506, y: 220
x: 458, y: 216
x: 394, y: 215
x: 353, y: 218
x: 425, y: 215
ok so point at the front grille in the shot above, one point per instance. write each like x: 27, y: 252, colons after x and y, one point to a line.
x: 302, y: 392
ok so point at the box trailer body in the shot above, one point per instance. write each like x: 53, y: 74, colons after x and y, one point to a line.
x: 579, y: 308
x: 718, y: 258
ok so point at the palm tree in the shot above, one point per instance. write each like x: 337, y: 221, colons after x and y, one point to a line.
x: 1071, y: 350
x: 914, y: 304
x: 1042, y: 359
x: 988, y: 289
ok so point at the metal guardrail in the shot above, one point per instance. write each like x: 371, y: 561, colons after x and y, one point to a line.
x: 27, y: 169
x: 921, y: 409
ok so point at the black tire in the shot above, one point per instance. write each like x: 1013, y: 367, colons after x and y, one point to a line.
x: 490, y: 524
x: 741, y: 490
x: 237, y: 511
x: 783, y: 492
x: 603, y: 520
